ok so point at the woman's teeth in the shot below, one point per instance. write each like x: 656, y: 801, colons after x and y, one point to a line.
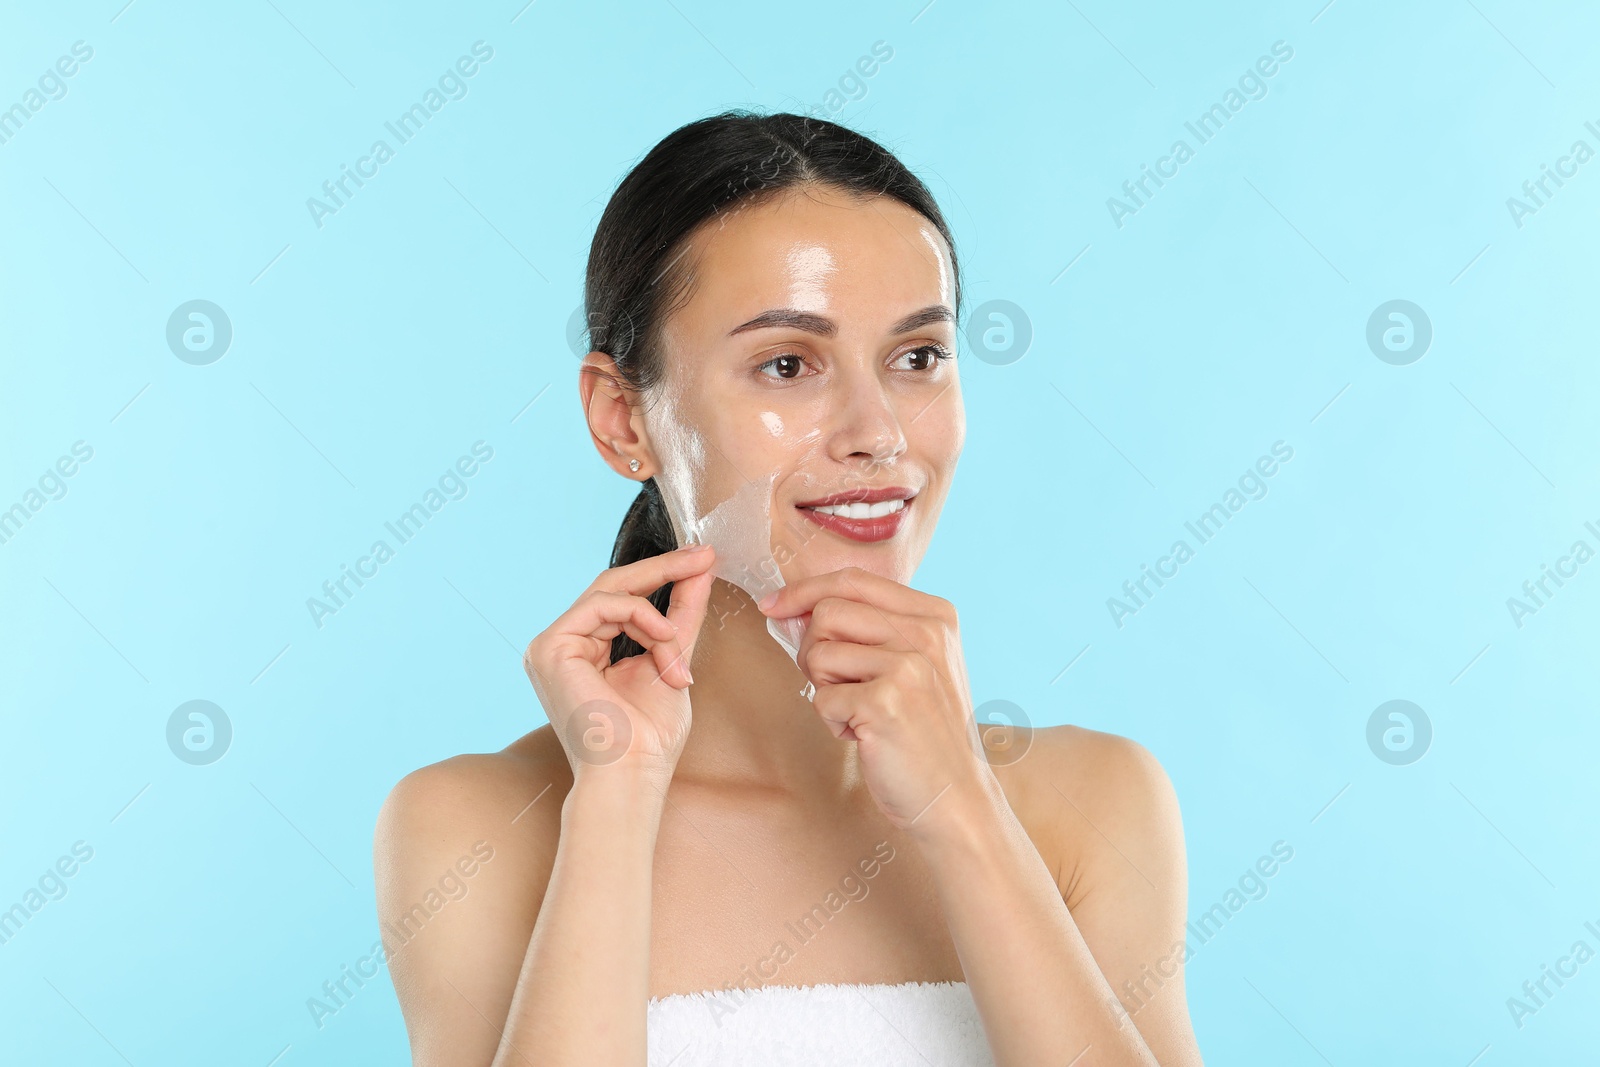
x: 861, y: 511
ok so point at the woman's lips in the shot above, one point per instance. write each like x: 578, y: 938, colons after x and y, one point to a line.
x: 880, y: 528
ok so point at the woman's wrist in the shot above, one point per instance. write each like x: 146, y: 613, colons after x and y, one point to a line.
x: 623, y: 788
x: 962, y: 823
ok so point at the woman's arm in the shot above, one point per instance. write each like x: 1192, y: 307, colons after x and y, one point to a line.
x: 1054, y: 985
x: 585, y: 977
x: 550, y: 963
x: 545, y: 958
x: 888, y: 668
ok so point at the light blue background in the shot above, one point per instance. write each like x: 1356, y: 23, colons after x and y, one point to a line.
x: 1227, y: 314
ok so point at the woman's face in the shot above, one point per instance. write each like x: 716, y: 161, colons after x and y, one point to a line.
x: 809, y: 357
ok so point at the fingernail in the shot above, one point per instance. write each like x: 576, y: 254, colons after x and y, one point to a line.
x: 687, y: 673
x: 766, y: 602
x: 695, y: 548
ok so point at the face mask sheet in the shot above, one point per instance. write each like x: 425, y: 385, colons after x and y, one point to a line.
x: 739, y: 528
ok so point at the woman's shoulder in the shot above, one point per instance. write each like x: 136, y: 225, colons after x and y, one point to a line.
x: 462, y: 854
x: 1090, y: 766
x: 510, y: 799
x: 1085, y: 796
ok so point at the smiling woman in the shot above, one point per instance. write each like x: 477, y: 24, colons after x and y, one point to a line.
x: 773, y: 305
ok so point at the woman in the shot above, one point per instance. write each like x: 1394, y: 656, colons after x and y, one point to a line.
x: 685, y: 861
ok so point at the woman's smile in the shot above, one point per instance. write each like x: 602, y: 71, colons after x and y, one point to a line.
x: 861, y: 515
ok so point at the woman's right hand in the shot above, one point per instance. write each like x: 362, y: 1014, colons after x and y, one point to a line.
x: 637, y: 709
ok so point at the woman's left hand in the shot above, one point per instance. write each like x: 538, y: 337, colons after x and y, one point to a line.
x: 887, y: 666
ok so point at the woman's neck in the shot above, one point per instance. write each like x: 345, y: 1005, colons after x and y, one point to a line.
x: 752, y: 725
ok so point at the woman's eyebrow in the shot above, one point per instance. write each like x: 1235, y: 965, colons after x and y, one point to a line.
x: 926, y: 317
x: 821, y: 325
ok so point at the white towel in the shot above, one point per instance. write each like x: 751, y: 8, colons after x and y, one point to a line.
x: 914, y: 1024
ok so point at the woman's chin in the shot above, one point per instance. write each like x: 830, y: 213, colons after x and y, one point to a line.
x: 880, y: 560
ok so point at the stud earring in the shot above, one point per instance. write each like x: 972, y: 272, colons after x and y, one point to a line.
x: 633, y: 464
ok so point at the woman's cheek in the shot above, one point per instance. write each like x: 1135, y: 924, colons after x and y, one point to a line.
x: 952, y: 419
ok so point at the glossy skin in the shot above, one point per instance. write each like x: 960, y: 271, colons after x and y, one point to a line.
x: 728, y: 820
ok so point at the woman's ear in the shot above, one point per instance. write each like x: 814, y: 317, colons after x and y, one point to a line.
x: 613, y: 412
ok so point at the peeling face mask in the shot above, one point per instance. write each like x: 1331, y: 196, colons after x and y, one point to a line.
x: 739, y: 527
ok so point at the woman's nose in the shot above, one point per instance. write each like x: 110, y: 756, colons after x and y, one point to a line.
x: 867, y: 424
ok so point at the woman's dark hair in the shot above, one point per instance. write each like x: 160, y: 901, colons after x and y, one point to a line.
x: 637, y: 275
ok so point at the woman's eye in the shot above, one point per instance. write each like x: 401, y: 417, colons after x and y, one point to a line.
x: 926, y: 356
x: 789, y: 366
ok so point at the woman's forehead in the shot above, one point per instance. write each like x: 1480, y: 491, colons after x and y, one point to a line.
x: 861, y: 260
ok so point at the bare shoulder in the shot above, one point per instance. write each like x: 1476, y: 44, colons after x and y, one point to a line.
x: 511, y: 799
x: 1102, y: 812
x: 462, y: 855
x: 1099, y: 773
x: 484, y: 825
x: 1089, y: 800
